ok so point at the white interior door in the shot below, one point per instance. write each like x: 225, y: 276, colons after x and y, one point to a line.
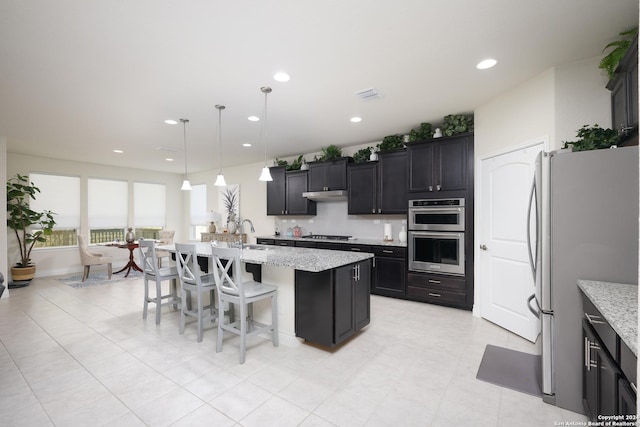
x: 504, y: 272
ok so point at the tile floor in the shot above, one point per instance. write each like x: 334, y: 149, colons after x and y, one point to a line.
x: 85, y: 357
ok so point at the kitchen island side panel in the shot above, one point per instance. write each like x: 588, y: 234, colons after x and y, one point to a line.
x: 314, y: 307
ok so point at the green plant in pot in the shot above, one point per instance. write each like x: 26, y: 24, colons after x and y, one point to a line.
x: 362, y: 155
x: 391, y: 142
x: 593, y: 138
x: 456, y: 123
x: 610, y: 62
x: 331, y: 152
x: 425, y: 131
x: 30, y: 227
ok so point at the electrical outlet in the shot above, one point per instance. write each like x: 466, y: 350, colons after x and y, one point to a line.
x: 310, y: 221
x: 376, y: 221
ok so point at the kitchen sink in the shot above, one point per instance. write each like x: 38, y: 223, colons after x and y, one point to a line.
x: 256, y: 247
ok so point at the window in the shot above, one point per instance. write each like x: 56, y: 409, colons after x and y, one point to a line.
x: 198, y: 214
x: 107, y: 209
x: 59, y: 194
x: 149, y: 209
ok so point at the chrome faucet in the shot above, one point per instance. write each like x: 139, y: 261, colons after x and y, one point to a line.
x: 253, y: 230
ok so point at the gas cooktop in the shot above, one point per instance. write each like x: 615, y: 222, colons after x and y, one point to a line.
x: 325, y: 237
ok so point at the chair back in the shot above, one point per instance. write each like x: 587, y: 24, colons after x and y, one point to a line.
x: 166, y: 236
x: 187, y: 261
x: 85, y: 255
x: 148, y: 256
x: 227, y: 283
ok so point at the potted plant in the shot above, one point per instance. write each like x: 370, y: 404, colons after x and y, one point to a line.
x: 610, y: 62
x: 593, y: 138
x: 425, y: 131
x: 456, y: 123
x: 331, y: 152
x: 391, y: 142
x: 362, y: 155
x: 30, y: 227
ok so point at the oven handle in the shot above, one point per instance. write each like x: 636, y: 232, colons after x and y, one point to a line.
x: 442, y: 234
x: 439, y: 210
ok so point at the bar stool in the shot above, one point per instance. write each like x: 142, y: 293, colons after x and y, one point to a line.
x: 152, y: 272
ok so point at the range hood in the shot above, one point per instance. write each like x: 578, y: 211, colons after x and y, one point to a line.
x: 325, y: 196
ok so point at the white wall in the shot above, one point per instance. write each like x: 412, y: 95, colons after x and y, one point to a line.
x: 554, y: 104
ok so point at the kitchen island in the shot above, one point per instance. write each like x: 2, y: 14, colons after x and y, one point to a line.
x: 323, y: 295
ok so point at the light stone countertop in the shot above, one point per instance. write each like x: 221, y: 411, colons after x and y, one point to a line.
x: 618, y: 303
x: 305, y: 259
x: 352, y: 241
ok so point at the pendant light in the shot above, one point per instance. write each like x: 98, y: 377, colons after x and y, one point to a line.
x: 266, y: 174
x: 186, y: 185
x: 220, y: 182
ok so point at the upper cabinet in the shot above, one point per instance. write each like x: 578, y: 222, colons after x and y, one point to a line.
x: 379, y: 187
x: 284, y: 193
x: 328, y: 175
x: 624, y: 96
x: 441, y: 167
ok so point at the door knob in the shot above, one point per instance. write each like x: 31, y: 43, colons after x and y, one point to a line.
x: 483, y: 247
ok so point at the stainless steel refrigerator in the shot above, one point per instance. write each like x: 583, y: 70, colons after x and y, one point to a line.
x: 583, y: 225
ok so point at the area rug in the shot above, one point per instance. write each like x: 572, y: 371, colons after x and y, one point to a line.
x: 511, y: 369
x: 97, y: 279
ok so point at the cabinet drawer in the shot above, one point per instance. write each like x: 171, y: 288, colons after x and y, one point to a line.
x: 628, y: 363
x: 390, y: 251
x: 356, y: 248
x: 305, y: 244
x: 284, y: 242
x: 604, y: 331
x: 436, y: 295
x: 444, y: 283
x: 260, y: 241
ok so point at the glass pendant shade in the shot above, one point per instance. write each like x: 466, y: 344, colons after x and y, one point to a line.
x: 265, y: 175
x: 220, y: 182
x: 186, y: 185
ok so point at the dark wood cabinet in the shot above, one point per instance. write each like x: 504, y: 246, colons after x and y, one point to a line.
x: 328, y: 175
x: 389, y: 271
x: 276, y: 194
x: 332, y: 305
x: 440, y: 289
x: 608, y: 367
x: 624, y: 96
x: 284, y: 193
x: 379, y: 187
x: 440, y: 166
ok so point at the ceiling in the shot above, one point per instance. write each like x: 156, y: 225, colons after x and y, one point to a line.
x: 79, y: 79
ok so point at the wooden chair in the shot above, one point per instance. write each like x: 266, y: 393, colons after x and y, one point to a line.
x: 152, y: 272
x: 195, y: 283
x: 234, y: 290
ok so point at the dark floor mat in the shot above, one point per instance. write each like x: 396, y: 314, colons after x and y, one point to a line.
x: 512, y: 369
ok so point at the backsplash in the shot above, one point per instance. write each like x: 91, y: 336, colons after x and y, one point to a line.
x: 332, y: 218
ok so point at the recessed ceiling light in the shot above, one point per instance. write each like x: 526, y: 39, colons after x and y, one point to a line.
x: 486, y: 63
x: 246, y: 144
x: 118, y: 151
x: 355, y: 119
x: 254, y: 118
x: 171, y: 122
x: 169, y: 159
x: 281, y: 77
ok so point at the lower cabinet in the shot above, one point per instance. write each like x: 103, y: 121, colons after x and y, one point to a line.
x: 389, y: 271
x: 332, y: 305
x: 439, y: 289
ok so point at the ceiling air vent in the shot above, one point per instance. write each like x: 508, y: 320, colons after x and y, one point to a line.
x: 368, y: 94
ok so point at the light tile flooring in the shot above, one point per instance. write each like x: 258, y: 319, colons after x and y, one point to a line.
x: 85, y: 357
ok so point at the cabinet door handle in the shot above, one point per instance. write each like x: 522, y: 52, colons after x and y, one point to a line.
x: 438, y: 187
x: 437, y: 282
x: 373, y: 210
x: 355, y: 249
x: 592, y: 319
x: 633, y: 387
x: 379, y: 210
x: 431, y: 294
x: 587, y: 359
x: 431, y: 188
x: 386, y: 251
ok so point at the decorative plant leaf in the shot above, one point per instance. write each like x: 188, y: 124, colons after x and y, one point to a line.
x: 610, y: 62
x: 362, y: 155
x: 593, y: 138
x: 331, y: 152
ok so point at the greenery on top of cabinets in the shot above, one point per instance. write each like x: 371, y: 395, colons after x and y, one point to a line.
x: 391, y: 142
x: 293, y: 166
x: 329, y: 153
x: 610, y: 62
x: 457, y: 123
x: 362, y: 155
x: 593, y: 138
x: 425, y: 131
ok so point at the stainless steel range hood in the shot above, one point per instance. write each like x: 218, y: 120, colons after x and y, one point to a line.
x: 326, y: 196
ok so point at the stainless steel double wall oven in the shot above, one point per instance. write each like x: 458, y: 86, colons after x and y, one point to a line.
x: 436, y: 236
